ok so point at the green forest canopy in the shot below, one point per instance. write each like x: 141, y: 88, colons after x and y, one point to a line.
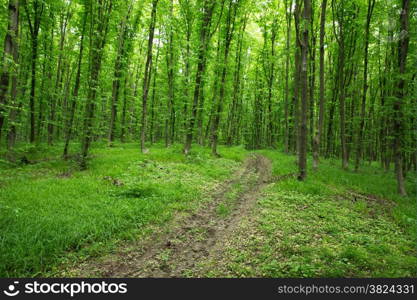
x: 333, y: 78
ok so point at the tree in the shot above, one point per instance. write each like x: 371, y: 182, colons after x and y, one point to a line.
x: 204, y: 38
x: 99, y: 25
x: 371, y: 4
x: 74, y: 98
x: 119, y: 66
x: 63, y: 25
x: 233, y: 72
x: 227, y: 38
x: 146, y: 76
x: 34, y: 15
x: 304, y: 39
x: 320, y: 123
x: 10, y: 60
x: 287, y: 66
x: 170, y: 120
x: 400, y: 95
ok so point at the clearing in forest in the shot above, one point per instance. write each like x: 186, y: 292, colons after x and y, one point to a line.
x: 195, y: 238
x: 263, y: 222
x: 163, y: 214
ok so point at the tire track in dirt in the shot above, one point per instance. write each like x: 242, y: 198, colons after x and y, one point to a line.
x: 195, y: 238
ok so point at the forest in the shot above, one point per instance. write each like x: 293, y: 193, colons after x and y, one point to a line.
x: 119, y: 117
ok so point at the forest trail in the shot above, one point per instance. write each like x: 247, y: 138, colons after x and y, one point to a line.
x: 194, y: 238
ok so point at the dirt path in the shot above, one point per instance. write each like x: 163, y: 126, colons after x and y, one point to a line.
x: 195, y: 238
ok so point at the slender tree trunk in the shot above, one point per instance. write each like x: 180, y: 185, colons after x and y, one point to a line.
x: 34, y: 32
x: 124, y: 111
x: 16, y: 104
x: 100, y: 15
x: 146, y: 77
x: 317, y: 138
x: 119, y: 70
x: 187, y: 13
x: 302, y: 155
x: 231, y: 16
x: 330, y: 127
x: 74, y: 98
x: 401, y: 90
x: 202, y: 135
x: 270, y: 80
x: 231, y: 122
x: 170, y: 124
x: 297, y: 80
x: 312, y: 82
x: 371, y: 4
x: 153, y: 100
x: 340, y: 37
x: 10, y: 55
x: 287, y: 68
x: 59, y: 75
x: 208, y: 8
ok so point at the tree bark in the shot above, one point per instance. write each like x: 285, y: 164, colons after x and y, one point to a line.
x: 208, y: 8
x: 371, y: 4
x: 229, y: 30
x: 401, y: 90
x: 341, y: 74
x: 170, y: 122
x: 10, y: 51
x: 146, y: 77
x: 304, y: 44
x: 74, y: 98
x: 119, y: 66
x: 59, y: 75
x: 98, y: 35
x: 34, y: 32
x: 317, y: 138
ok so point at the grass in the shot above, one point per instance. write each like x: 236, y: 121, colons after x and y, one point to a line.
x: 224, y: 209
x: 336, y: 224
x: 318, y: 229
x: 50, y: 212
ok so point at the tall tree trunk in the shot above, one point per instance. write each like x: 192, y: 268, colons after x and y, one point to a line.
x: 297, y: 79
x: 270, y: 136
x: 124, y: 110
x: 34, y: 32
x: 59, y: 74
x: 400, y: 94
x: 302, y: 155
x: 231, y: 122
x: 371, y: 4
x: 146, y: 77
x: 16, y: 104
x: 153, y: 99
x: 10, y: 57
x: 74, y: 98
x: 185, y: 9
x: 230, y: 25
x: 312, y: 81
x: 287, y: 68
x: 170, y: 122
x: 341, y: 74
x: 208, y: 8
x: 317, y: 138
x: 119, y: 66
x: 100, y: 15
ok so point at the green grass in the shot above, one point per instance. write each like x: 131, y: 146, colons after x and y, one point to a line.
x: 317, y: 229
x: 51, y: 212
x: 224, y: 209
